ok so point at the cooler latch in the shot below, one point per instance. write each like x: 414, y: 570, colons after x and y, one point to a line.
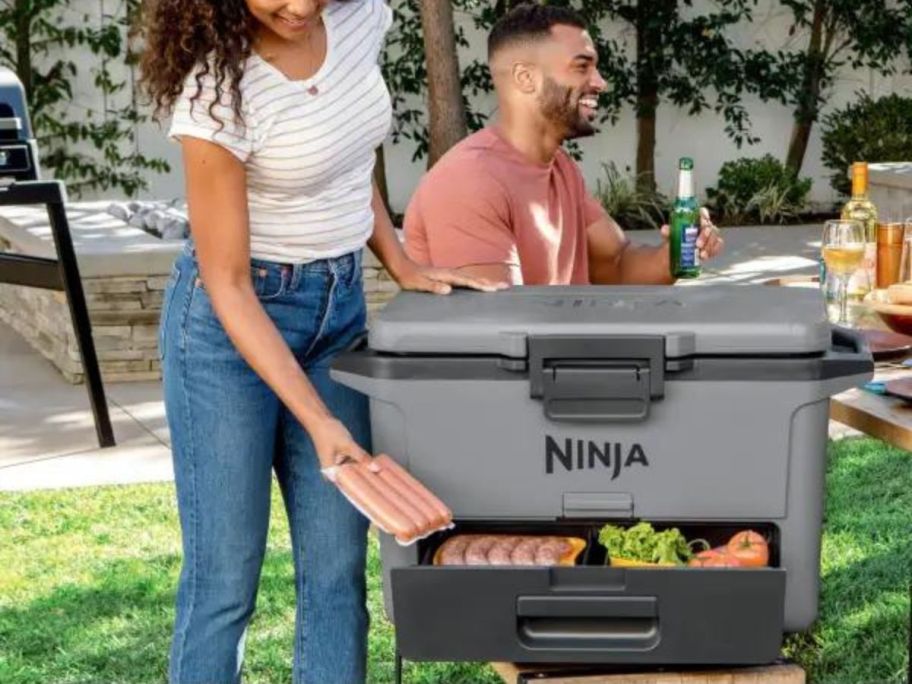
x: 596, y: 378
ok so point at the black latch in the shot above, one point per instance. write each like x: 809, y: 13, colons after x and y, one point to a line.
x: 596, y: 378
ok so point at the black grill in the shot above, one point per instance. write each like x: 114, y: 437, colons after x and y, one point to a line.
x: 18, y: 152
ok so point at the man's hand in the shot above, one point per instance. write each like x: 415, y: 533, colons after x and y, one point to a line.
x: 709, y: 241
x: 440, y: 280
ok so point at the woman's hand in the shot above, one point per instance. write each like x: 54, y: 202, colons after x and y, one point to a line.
x: 334, y: 443
x: 412, y: 276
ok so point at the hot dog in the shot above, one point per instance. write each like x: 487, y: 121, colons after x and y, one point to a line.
x: 358, y: 485
x: 406, y: 499
x: 442, y: 515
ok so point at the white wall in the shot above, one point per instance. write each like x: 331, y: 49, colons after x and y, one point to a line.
x: 677, y: 134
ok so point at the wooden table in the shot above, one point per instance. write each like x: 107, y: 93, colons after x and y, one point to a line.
x: 772, y: 674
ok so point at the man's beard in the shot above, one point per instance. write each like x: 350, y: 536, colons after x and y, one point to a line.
x: 561, y: 105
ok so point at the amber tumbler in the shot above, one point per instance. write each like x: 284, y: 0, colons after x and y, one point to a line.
x: 889, y: 253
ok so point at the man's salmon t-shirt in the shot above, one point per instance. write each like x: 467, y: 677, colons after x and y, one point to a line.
x: 485, y: 203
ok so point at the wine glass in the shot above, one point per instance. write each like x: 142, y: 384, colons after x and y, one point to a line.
x: 843, y: 251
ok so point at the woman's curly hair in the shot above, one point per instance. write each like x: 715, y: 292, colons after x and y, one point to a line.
x: 185, y: 36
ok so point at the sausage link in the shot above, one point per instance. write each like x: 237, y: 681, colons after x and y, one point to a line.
x: 500, y: 553
x: 453, y: 550
x: 476, y: 552
x: 524, y: 552
x: 549, y: 552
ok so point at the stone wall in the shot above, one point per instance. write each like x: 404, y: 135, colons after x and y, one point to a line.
x: 124, y: 311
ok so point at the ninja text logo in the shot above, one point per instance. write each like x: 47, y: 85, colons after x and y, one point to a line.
x: 579, y: 454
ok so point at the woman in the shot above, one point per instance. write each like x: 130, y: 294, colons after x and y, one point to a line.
x: 279, y: 106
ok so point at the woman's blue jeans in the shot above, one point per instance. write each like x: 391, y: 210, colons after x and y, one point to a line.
x: 229, y: 432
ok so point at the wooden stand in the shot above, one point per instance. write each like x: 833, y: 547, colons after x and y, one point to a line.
x: 770, y: 674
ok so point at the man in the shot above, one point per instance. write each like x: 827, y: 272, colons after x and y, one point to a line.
x: 508, y: 203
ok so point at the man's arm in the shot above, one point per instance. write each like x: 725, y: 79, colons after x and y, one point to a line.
x: 613, y: 260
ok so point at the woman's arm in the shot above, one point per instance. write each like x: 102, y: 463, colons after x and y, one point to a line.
x: 406, y: 272
x: 217, y: 198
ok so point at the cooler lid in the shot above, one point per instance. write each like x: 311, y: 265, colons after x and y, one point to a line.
x: 713, y: 319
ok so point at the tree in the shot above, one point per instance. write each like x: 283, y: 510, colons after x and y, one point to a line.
x: 680, y: 56
x: 445, y: 105
x: 38, y: 44
x: 858, y: 33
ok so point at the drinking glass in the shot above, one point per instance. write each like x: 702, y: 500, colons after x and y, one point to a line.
x: 843, y: 248
x: 905, y: 262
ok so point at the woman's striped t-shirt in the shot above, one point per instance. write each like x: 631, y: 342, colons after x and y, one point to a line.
x: 308, y: 146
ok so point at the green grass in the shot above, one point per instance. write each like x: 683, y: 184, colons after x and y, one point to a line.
x: 87, y: 582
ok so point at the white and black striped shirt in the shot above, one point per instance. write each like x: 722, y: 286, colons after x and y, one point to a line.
x: 308, y: 146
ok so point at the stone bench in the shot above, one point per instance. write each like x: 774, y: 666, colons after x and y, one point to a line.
x: 124, y: 271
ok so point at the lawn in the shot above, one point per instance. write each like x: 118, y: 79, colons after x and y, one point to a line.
x: 87, y: 580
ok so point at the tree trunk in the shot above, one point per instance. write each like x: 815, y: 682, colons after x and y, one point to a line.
x: 446, y: 109
x: 808, y: 106
x: 380, y: 177
x: 649, y: 42
x: 23, y: 13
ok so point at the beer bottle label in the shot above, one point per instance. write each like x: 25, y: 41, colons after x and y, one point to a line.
x: 690, y: 255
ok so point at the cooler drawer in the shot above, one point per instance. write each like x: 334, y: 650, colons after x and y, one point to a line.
x: 589, y: 614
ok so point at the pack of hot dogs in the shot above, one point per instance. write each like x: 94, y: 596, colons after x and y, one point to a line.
x: 391, y: 498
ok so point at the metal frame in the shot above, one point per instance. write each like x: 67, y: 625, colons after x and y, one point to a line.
x: 61, y: 274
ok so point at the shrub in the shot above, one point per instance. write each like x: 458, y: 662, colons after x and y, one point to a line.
x: 632, y: 208
x: 867, y: 130
x: 758, y: 190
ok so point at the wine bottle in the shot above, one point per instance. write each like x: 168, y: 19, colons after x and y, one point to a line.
x: 860, y: 208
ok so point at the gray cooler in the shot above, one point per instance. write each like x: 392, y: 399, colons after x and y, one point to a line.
x: 557, y: 410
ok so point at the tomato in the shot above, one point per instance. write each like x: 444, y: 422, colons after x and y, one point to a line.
x: 718, y: 557
x: 750, y: 548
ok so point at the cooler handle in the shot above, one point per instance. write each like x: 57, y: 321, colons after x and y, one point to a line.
x: 588, y: 622
x: 587, y: 606
x: 847, y: 337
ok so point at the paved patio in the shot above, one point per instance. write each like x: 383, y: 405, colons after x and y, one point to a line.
x: 47, y: 437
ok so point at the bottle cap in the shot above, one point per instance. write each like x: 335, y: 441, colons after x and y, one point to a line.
x: 686, y: 164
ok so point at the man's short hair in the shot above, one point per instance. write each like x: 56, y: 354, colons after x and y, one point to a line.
x: 530, y: 22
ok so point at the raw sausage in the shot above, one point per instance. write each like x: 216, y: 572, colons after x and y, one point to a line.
x: 501, y: 552
x: 549, y: 552
x: 453, y: 550
x: 524, y: 552
x: 476, y: 552
x: 442, y: 514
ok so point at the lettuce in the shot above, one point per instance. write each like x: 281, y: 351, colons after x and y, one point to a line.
x: 642, y: 543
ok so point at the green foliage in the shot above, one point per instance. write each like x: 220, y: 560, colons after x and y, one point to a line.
x: 691, y: 61
x: 90, y: 150
x: 827, y: 37
x: 761, y: 190
x: 866, y: 130
x: 627, y: 203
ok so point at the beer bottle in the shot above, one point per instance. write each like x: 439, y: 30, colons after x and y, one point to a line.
x: 685, y: 225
